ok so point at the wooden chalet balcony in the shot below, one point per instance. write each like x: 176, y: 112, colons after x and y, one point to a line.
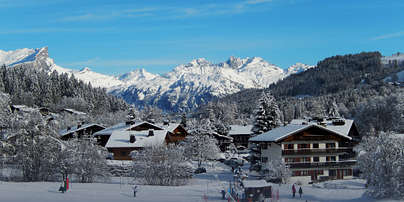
x: 330, y: 164
x: 316, y: 151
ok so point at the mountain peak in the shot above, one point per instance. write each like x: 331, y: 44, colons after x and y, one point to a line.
x: 297, y: 68
x: 199, y: 61
x: 85, y: 69
x: 136, y: 75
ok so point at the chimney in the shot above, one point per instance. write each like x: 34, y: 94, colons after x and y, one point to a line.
x: 151, y: 133
x: 132, y: 138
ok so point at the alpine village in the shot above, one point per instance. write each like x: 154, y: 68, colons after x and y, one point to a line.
x: 239, y: 129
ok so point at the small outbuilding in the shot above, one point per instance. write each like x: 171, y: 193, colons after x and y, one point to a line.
x: 257, y: 190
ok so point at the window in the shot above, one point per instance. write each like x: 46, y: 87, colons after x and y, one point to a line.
x: 331, y: 158
x: 332, y: 173
x: 315, y: 146
x: 330, y: 145
x: 296, y: 173
x: 303, y: 146
x: 289, y: 160
x: 347, y: 172
x: 316, y: 159
x: 124, y: 153
x: 264, y: 146
x: 288, y: 146
x: 306, y: 159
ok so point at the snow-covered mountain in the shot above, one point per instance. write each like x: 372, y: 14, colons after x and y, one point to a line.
x: 298, y: 68
x: 187, y: 86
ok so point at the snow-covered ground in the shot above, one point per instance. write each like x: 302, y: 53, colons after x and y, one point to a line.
x: 210, y: 184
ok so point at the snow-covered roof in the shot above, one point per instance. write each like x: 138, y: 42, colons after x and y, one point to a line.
x: 298, y: 125
x: 24, y: 108
x: 170, y: 127
x: 76, y: 128
x: 240, y: 130
x: 110, y: 130
x: 120, y: 139
x: 124, y: 127
x: 74, y: 111
x: 255, y: 183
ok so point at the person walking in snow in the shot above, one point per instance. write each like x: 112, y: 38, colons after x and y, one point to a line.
x: 134, y: 191
x: 300, y: 192
x: 293, y: 190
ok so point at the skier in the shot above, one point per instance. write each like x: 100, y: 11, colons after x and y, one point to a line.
x: 293, y: 190
x: 300, y: 192
x: 134, y: 191
x: 223, y: 194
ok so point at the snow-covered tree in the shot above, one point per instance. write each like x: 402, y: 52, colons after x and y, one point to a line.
x: 201, y: 147
x: 161, y: 165
x: 267, y: 114
x: 381, y: 160
x: 90, y: 160
x: 333, y: 110
x: 276, y: 170
x: 35, y: 147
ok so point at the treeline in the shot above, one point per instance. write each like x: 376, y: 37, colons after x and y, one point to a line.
x: 333, y: 75
x: 32, y: 86
x: 351, y: 84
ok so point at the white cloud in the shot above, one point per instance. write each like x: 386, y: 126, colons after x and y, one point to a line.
x: 388, y: 36
x: 167, y: 12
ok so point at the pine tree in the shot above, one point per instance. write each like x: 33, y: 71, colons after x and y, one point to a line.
x: 267, y: 114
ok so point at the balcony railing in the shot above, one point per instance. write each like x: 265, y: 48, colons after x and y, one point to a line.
x: 316, y: 151
x: 330, y: 164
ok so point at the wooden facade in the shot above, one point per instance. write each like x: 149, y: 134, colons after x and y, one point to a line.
x: 176, y: 134
x: 311, y: 151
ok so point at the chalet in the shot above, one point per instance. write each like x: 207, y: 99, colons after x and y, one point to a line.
x: 79, y: 130
x: 124, y: 138
x: 240, y: 134
x: 312, y: 149
x: 223, y: 141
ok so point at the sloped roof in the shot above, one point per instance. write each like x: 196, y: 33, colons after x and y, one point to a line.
x: 240, y: 130
x: 170, y: 127
x: 278, y: 133
x: 120, y: 139
x: 73, y: 111
x: 296, y: 126
x: 122, y: 127
x: 255, y: 183
x: 110, y: 130
x: 75, y: 128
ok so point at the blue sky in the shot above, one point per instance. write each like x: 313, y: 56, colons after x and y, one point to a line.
x: 114, y: 37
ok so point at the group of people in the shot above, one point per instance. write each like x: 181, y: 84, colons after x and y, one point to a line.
x: 294, y: 191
